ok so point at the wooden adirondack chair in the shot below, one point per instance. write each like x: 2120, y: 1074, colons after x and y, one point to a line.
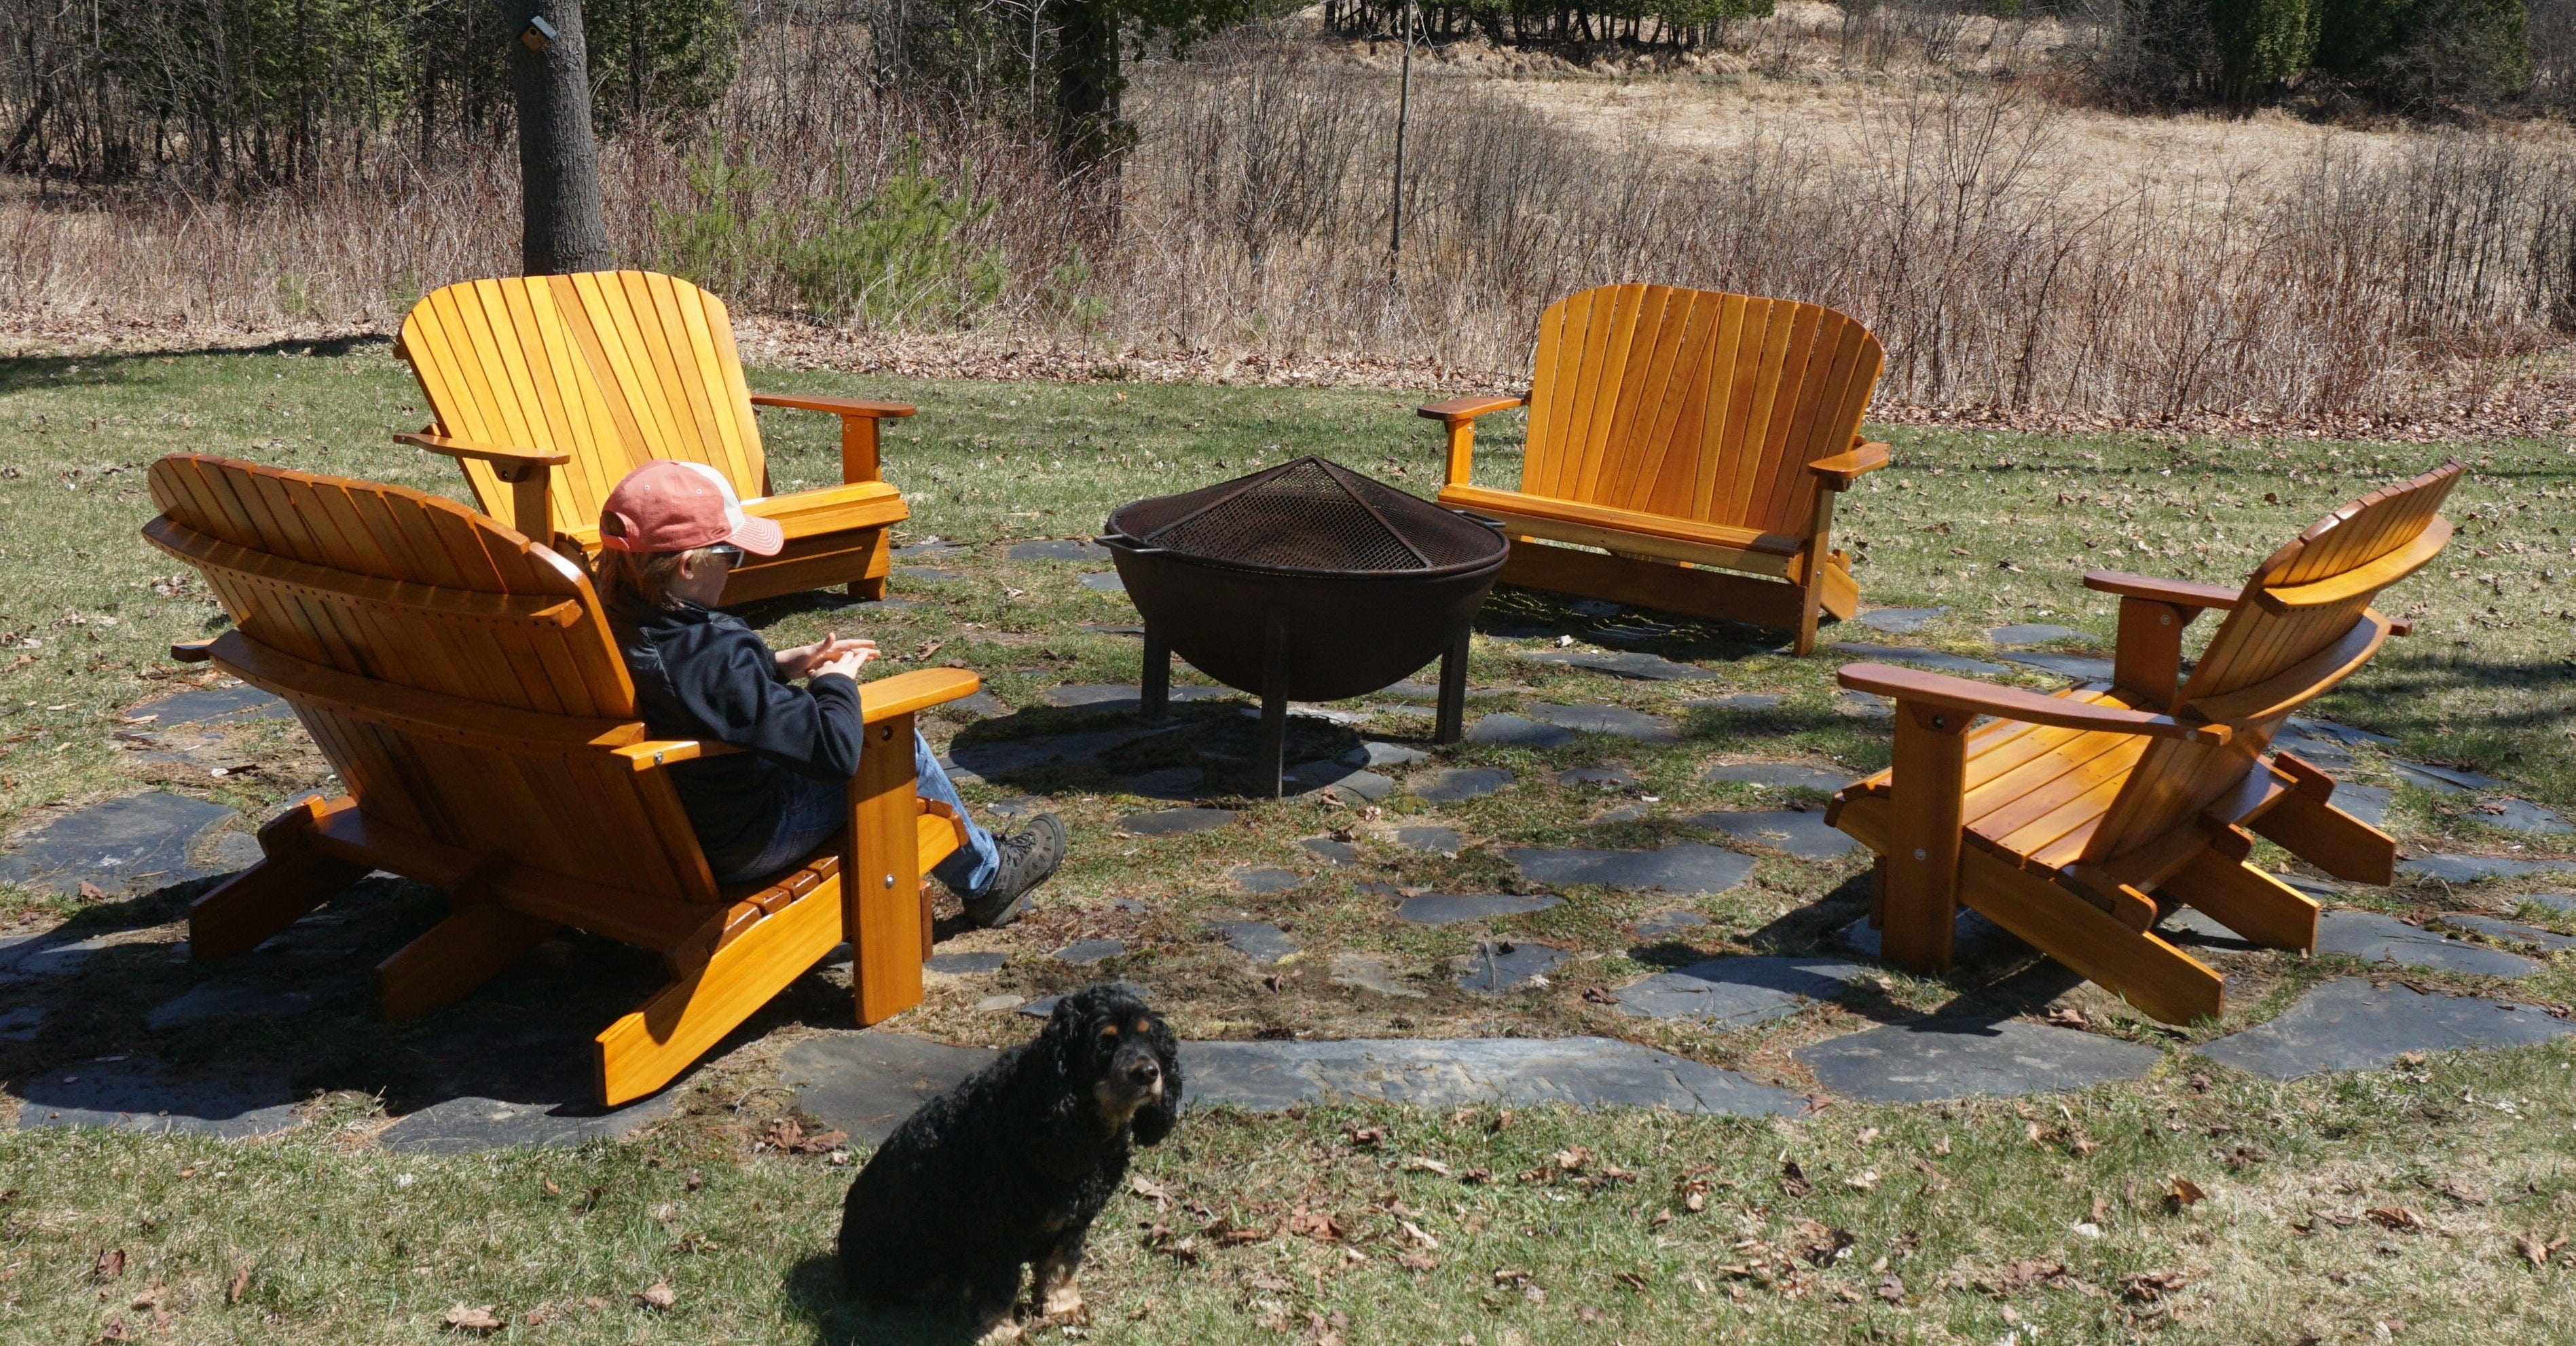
x: 2066, y: 816
x: 1699, y: 438
x: 464, y: 684
x: 548, y: 389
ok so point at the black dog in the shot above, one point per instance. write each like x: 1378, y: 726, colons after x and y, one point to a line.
x: 1012, y: 1165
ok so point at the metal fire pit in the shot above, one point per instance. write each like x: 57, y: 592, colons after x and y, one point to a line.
x: 1306, y: 582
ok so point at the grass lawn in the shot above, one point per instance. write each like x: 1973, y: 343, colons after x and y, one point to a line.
x: 2351, y: 1208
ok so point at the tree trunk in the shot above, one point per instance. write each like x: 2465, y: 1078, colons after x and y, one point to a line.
x: 563, y: 227
x: 1087, y: 84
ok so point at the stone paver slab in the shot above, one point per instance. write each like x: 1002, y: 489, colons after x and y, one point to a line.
x: 1174, y: 822
x: 1505, y: 965
x: 232, y: 1000
x: 2349, y: 1024
x: 1517, y: 732
x: 1266, y: 878
x: 1863, y: 705
x: 2368, y: 803
x: 1900, y: 621
x: 1782, y: 776
x: 2562, y: 903
x: 1941, y: 660
x: 2519, y: 815
x: 214, y: 705
x: 1452, y: 784
x: 1000, y: 758
x: 1171, y: 782
x: 2443, y: 780
x: 1045, y: 1005
x: 1800, y: 832
x: 1259, y: 941
x: 1935, y: 1059
x: 926, y: 574
x: 1458, y: 1072
x: 1740, y: 991
x: 1451, y: 908
x: 139, y: 1094
x: 1336, y: 851
x: 1684, y: 867
x: 1373, y: 755
x: 1619, y: 663
x: 1103, y: 581
x: 1373, y: 972
x: 2374, y: 938
x: 1353, y: 784
x: 468, y: 1124
x: 1058, y: 549
x: 1617, y: 721
x: 133, y: 844
x: 2081, y: 667
x: 967, y: 964
x: 1124, y: 696
x: 866, y: 1082
x: 1085, y: 952
x: 1430, y: 838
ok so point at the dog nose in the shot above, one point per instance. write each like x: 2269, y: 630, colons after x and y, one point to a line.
x: 1144, y: 1072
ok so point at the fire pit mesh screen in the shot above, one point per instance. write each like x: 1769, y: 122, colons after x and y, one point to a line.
x: 1308, y: 515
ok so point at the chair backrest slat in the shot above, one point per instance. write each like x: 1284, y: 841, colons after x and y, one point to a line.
x: 614, y: 368
x: 1693, y: 404
x: 2261, y: 643
x: 430, y: 624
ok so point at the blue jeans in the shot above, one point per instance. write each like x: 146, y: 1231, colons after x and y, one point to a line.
x: 818, y: 811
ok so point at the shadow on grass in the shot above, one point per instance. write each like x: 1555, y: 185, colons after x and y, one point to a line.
x: 814, y: 1293
x: 26, y: 372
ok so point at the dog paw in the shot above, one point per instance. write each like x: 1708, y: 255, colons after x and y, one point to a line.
x: 1001, y: 1333
x: 1061, y: 1301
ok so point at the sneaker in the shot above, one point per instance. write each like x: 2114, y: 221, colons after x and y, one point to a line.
x: 1029, y: 858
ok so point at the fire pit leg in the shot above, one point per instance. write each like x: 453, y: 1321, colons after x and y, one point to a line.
x: 1450, y: 726
x: 1154, y: 697
x: 1271, y: 757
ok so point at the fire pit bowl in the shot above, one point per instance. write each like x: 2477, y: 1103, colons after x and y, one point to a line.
x: 1304, y: 582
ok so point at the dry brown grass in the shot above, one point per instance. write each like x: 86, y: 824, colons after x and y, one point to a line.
x: 2021, y: 259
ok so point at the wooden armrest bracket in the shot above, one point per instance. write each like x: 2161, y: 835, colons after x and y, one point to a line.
x: 1917, y: 687
x: 193, y: 651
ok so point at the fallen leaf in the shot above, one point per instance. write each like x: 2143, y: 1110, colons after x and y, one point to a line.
x: 1572, y: 1158
x: 1423, y: 1164
x: 1695, y: 1202
x: 1866, y: 1182
x: 240, y: 1286
x: 1631, y: 1279
x: 1314, y: 1225
x: 478, y: 1318
x: 1941, y: 1146
x: 1418, y: 1234
x: 659, y: 1295
x: 2181, y: 1191
x: 110, y: 1264
x: 2067, y: 1016
x: 593, y: 1302
x: 1511, y: 1276
x: 2101, y: 1210
x: 91, y: 891
x: 1892, y: 1289
x: 1150, y: 1190
x: 1845, y: 1293
x: 551, y: 1189
x: 1352, y: 1257
x: 2396, y: 1217
x: 150, y: 1298
x: 1867, y: 1134
x: 2410, y: 1059
x: 541, y: 1315
x: 1414, y: 1262
x: 1793, y: 1179
x: 116, y: 1330
x: 1598, y: 996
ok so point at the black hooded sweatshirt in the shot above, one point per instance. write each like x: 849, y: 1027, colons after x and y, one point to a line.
x: 702, y: 674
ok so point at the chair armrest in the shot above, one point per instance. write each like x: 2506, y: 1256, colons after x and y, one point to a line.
x: 501, y: 454
x: 1459, y: 410
x: 193, y: 651
x: 1918, y: 687
x: 919, y: 689
x: 658, y: 752
x: 838, y: 406
x: 2180, y: 593
x: 1842, y: 469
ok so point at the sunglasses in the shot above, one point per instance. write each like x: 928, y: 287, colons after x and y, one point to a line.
x: 728, y: 553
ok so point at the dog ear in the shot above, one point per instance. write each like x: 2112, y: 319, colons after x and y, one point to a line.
x: 1156, y: 1119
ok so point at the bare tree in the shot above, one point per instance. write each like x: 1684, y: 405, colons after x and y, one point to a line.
x: 563, y: 228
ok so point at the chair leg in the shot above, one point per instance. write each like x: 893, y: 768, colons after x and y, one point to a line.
x: 2248, y: 901
x: 867, y: 591
x: 881, y: 876
x: 1924, y: 838
x: 290, y: 879
x: 454, y: 957
x: 646, y: 1049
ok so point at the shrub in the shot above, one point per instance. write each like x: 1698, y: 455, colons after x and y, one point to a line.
x: 2260, y: 43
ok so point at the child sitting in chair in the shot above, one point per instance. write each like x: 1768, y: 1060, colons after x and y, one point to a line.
x: 671, y: 532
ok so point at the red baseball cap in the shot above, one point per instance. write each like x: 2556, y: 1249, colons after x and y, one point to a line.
x: 669, y: 505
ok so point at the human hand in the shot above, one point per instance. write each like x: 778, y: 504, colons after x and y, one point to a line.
x: 805, y: 659
x: 847, y: 660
